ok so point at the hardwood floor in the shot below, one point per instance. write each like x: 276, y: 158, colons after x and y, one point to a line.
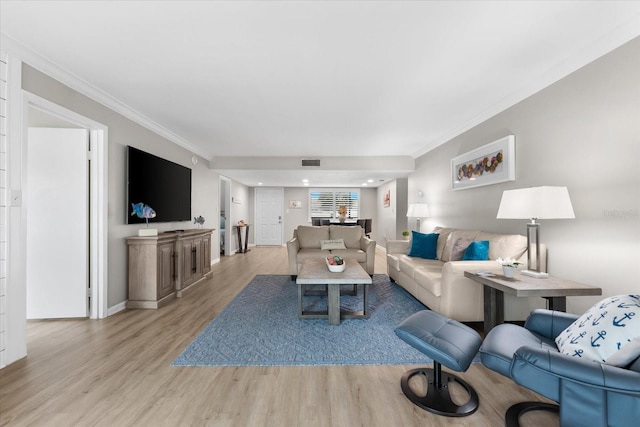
x: 117, y: 372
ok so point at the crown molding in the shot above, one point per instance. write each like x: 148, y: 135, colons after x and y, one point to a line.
x: 53, y: 70
x: 589, y: 53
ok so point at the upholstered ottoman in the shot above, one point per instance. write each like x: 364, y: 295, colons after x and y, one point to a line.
x: 449, y: 343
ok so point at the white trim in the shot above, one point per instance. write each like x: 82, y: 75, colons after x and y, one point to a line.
x: 16, y: 296
x: 121, y: 306
x: 99, y: 194
x: 58, y: 73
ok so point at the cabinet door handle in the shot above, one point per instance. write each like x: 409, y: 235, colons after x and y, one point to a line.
x: 193, y: 260
x: 173, y: 260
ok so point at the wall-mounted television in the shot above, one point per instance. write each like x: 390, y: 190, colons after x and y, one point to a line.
x: 163, y: 185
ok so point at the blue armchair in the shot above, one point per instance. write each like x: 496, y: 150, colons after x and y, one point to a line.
x: 588, y: 393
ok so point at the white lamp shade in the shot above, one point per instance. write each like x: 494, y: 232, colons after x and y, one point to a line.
x: 537, y: 202
x: 418, y: 210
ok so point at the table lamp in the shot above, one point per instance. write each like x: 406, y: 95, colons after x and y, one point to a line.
x: 418, y: 210
x: 533, y: 204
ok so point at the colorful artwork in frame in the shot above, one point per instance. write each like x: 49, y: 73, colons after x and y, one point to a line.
x: 489, y: 164
x: 387, y: 199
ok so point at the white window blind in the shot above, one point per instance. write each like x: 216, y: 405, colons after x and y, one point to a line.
x: 324, y: 203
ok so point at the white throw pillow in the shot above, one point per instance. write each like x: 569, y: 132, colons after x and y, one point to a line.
x: 329, y: 245
x: 603, y: 330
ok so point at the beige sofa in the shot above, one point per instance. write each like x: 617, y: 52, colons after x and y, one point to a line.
x: 306, y: 244
x: 440, y: 283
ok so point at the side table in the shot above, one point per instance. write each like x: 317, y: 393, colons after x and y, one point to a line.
x: 553, y: 289
x: 239, y: 228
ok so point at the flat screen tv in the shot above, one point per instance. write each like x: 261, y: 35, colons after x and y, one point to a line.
x: 160, y: 184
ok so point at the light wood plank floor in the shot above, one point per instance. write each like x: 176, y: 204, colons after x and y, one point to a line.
x: 116, y: 372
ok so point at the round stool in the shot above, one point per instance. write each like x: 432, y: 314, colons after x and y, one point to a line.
x: 448, y: 343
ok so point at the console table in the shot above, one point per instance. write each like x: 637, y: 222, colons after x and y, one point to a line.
x: 239, y: 229
x: 553, y: 289
x: 164, y: 266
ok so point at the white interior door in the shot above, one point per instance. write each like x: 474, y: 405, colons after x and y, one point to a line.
x: 57, y: 223
x: 268, y: 216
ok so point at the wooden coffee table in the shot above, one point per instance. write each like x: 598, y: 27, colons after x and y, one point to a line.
x: 315, y: 272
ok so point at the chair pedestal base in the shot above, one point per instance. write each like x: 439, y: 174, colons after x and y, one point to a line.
x: 438, y: 400
x: 512, y: 416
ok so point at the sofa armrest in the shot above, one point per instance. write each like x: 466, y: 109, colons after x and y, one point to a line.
x: 293, y: 246
x: 369, y: 247
x: 529, y: 360
x: 549, y: 323
x: 398, y: 246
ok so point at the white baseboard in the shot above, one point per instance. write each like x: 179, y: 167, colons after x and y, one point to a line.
x: 116, y: 308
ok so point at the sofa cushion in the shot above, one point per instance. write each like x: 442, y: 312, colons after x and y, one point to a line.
x: 459, y: 248
x: 429, y: 277
x: 442, y: 239
x: 357, y: 254
x: 350, y: 235
x: 423, y: 245
x: 477, y: 251
x: 504, y: 245
x: 603, y: 329
x: 329, y: 245
x: 310, y: 236
x: 453, y: 238
x: 408, y: 264
x: 311, y: 253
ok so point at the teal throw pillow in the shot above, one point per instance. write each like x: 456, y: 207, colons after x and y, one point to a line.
x: 477, y: 251
x: 423, y: 245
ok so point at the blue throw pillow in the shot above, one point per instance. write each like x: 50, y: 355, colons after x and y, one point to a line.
x: 423, y: 245
x: 477, y: 251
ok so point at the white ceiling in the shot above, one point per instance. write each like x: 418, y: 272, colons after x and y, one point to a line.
x: 307, y: 78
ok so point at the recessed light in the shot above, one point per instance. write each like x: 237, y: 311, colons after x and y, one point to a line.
x: 305, y: 180
x: 370, y: 180
x: 306, y: 184
x: 259, y: 183
x: 365, y: 184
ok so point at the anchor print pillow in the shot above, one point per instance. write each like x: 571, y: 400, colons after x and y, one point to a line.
x: 603, y: 330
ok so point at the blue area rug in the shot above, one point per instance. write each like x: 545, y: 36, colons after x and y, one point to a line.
x: 260, y: 327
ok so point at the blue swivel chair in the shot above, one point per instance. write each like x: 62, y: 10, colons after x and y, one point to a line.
x: 588, y: 393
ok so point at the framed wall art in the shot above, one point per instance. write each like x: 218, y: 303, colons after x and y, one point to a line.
x: 489, y: 164
x: 386, y: 201
x: 295, y: 204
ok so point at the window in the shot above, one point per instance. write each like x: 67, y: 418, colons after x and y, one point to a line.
x: 324, y: 203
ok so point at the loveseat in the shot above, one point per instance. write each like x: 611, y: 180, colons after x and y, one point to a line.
x: 440, y: 283
x: 338, y: 240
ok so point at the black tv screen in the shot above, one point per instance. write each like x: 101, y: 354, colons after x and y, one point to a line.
x: 160, y: 184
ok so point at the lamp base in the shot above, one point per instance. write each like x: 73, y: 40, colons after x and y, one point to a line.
x: 536, y: 274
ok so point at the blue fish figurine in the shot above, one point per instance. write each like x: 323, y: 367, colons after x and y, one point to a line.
x: 142, y: 211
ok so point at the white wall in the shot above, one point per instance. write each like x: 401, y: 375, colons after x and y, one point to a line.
x: 582, y: 132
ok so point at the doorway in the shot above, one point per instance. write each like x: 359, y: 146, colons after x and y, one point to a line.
x: 57, y: 198
x: 225, y: 216
x: 37, y: 109
x: 269, y: 216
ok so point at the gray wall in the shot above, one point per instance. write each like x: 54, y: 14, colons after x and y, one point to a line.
x: 123, y: 132
x: 582, y: 132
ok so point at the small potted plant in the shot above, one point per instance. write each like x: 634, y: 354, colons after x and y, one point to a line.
x: 509, y: 266
x: 406, y: 234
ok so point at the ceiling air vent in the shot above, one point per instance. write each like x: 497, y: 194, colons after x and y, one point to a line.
x: 311, y: 163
